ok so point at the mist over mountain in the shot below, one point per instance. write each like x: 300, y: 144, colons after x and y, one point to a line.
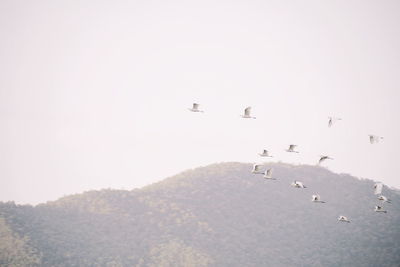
x: 218, y: 215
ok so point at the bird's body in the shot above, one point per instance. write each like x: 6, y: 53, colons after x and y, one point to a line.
x: 316, y: 199
x: 297, y: 184
x: 332, y: 120
x: 343, y: 219
x: 247, y: 112
x: 268, y: 174
x: 384, y: 199
x: 374, y: 138
x: 257, y: 169
x: 291, y: 149
x: 379, y: 209
x: 195, y: 108
x: 323, y: 158
x: 265, y: 153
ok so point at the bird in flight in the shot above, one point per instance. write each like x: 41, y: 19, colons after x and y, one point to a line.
x: 298, y: 184
x: 268, y: 174
x: 323, y: 158
x: 291, y: 149
x: 265, y: 153
x: 378, y: 188
x: 257, y: 169
x: 247, y: 112
x: 316, y: 199
x: 384, y: 199
x: 195, y: 108
x: 374, y: 138
x: 343, y: 219
x: 332, y: 120
x: 379, y: 209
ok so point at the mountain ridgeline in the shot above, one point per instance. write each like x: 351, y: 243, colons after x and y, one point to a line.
x: 218, y: 215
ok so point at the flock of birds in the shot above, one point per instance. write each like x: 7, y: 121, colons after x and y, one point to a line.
x: 267, y: 174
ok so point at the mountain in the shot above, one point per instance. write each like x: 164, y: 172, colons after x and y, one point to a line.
x: 218, y: 215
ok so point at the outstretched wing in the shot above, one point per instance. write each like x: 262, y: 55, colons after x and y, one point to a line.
x: 378, y: 188
x: 247, y: 111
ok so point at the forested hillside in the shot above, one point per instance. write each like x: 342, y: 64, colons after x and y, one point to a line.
x: 219, y: 215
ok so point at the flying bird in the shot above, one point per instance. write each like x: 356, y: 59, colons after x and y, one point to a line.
x: 317, y: 199
x: 322, y: 159
x: 257, y: 169
x: 195, y: 108
x: 332, y: 120
x: 268, y: 174
x: 384, y: 199
x: 298, y: 184
x: 265, y: 153
x: 291, y: 149
x: 379, y: 209
x: 343, y: 219
x: 374, y: 138
x: 378, y: 188
x: 246, y: 114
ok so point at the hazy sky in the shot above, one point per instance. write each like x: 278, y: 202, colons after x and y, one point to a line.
x: 94, y: 94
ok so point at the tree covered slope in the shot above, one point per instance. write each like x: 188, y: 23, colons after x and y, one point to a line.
x: 219, y: 215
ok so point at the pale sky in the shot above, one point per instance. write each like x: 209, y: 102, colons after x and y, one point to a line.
x: 94, y: 94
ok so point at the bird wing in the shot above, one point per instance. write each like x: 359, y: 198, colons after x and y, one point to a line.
x: 247, y: 111
x: 195, y: 106
x: 256, y: 167
x: 371, y: 139
x: 378, y: 188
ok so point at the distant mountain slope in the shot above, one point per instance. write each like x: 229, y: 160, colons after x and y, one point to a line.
x: 219, y: 215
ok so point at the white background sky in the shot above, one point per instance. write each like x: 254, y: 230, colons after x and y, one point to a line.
x: 94, y: 94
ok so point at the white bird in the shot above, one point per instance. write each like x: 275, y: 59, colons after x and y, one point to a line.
x: 343, y: 219
x: 257, y: 169
x: 317, y: 199
x: 323, y: 158
x: 268, y: 174
x: 246, y: 114
x: 378, y: 188
x: 384, y: 199
x: 374, y: 138
x: 379, y: 209
x: 332, y: 120
x: 195, y: 108
x: 297, y: 184
x: 265, y: 154
x: 291, y: 149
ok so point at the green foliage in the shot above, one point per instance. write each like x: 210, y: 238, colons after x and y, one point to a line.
x: 14, y: 250
x: 220, y: 215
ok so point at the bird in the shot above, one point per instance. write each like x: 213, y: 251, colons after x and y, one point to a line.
x: 268, y: 174
x: 332, y: 120
x: 323, y: 158
x: 343, y: 219
x: 246, y: 114
x: 291, y: 149
x: 195, y: 108
x: 378, y: 188
x: 317, y: 199
x: 384, y: 199
x: 379, y: 209
x: 265, y: 153
x: 297, y: 184
x: 374, y: 138
x: 256, y: 169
